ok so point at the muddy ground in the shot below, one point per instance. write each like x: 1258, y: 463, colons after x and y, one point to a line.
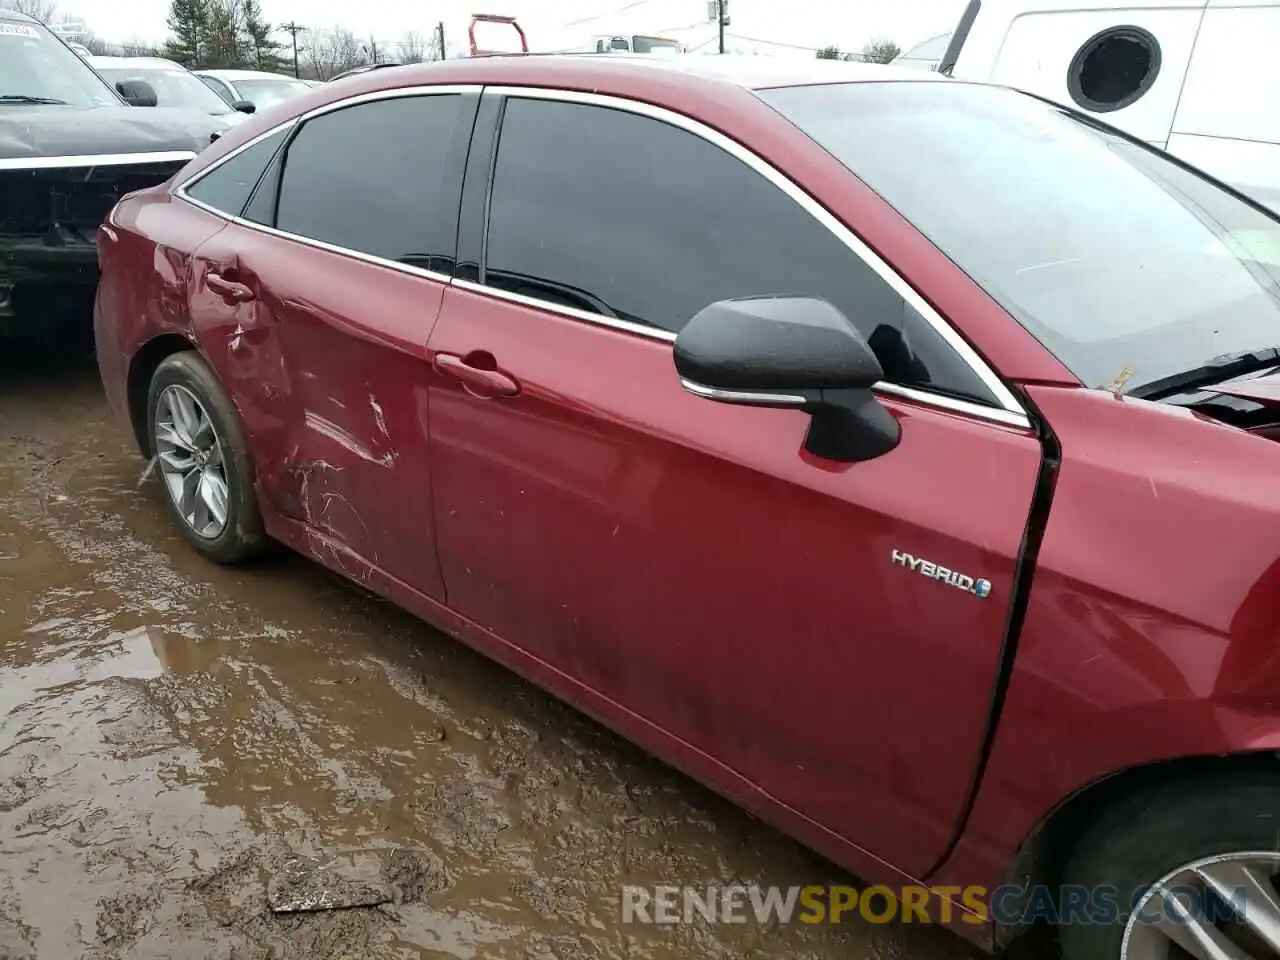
x: 186, y: 750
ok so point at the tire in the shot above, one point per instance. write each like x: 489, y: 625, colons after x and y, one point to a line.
x: 1151, y: 836
x: 241, y: 536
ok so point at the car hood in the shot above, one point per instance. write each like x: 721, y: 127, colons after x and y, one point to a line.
x: 35, y: 132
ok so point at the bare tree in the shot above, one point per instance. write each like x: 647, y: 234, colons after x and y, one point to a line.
x: 347, y: 49
x: 413, y: 47
x: 880, y: 51
x: 42, y: 10
x: 329, y: 52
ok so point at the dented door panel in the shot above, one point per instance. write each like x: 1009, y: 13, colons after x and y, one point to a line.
x: 334, y: 397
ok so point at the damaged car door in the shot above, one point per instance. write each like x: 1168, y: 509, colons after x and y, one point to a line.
x: 327, y: 289
x: 695, y: 563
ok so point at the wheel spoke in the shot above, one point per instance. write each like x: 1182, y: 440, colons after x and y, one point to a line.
x: 214, y: 494
x: 187, y: 500
x: 1190, y: 928
x: 1250, y: 894
x: 177, y: 461
x: 215, y: 454
x: 185, y: 417
x: 174, y: 481
x: 166, y: 433
x: 202, y: 434
x: 200, y: 507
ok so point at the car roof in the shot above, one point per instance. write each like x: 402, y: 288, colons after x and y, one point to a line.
x: 743, y: 71
x: 8, y: 14
x: 245, y: 74
x: 746, y: 71
x: 758, y: 72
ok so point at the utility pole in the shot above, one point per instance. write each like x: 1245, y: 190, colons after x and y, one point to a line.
x: 440, y: 38
x: 722, y: 18
x: 294, y: 29
x: 373, y: 50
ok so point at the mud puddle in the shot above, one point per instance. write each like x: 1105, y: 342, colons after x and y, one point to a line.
x: 197, y: 762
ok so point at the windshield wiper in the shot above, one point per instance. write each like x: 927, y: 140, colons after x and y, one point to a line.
x: 25, y: 98
x: 1208, y: 373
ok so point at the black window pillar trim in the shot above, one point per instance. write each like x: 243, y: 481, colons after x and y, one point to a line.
x: 271, y: 172
x: 454, y: 174
x: 473, y: 214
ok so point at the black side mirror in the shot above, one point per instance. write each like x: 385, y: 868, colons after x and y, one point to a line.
x: 791, y: 352
x: 137, y: 93
x: 244, y: 106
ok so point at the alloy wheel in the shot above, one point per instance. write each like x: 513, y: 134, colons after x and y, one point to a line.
x: 190, y: 458
x: 1219, y: 908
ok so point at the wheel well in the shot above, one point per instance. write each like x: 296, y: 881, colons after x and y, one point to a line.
x: 141, y: 370
x: 1043, y: 856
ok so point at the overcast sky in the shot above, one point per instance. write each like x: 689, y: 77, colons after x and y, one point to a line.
x: 557, y: 24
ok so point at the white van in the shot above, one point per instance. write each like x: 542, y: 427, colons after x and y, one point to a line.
x: 1195, y: 77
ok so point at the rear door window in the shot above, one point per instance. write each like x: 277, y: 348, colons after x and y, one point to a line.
x: 371, y: 178
x: 627, y: 216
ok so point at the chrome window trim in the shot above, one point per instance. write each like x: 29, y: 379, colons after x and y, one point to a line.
x: 289, y: 125
x: 95, y: 160
x: 745, y: 397
x: 924, y: 397
x: 765, y: 399
x: 1010, y: 410
x: 1012, y: 418
x: 653, y: 333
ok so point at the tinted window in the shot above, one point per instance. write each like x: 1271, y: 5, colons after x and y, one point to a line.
x: 262, y: 205
x: 370, y: 178
x: 1126, y: 265
x: 627, y: 216
x: 228, y: 186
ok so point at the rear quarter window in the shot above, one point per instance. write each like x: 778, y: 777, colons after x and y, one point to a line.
x: 228, y: 186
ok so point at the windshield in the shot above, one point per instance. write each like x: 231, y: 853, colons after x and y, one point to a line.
x: 174, y: 88
x: 267, y: 93
x: 1125, y: 265
x: 34, y: 63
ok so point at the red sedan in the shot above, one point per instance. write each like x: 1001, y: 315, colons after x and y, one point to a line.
x: 894, y: 454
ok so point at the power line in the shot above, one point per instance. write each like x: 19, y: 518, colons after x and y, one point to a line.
x: 683, y: 26
x: 293, y: 30
x: 775, y: 43
x: 601, y: 16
